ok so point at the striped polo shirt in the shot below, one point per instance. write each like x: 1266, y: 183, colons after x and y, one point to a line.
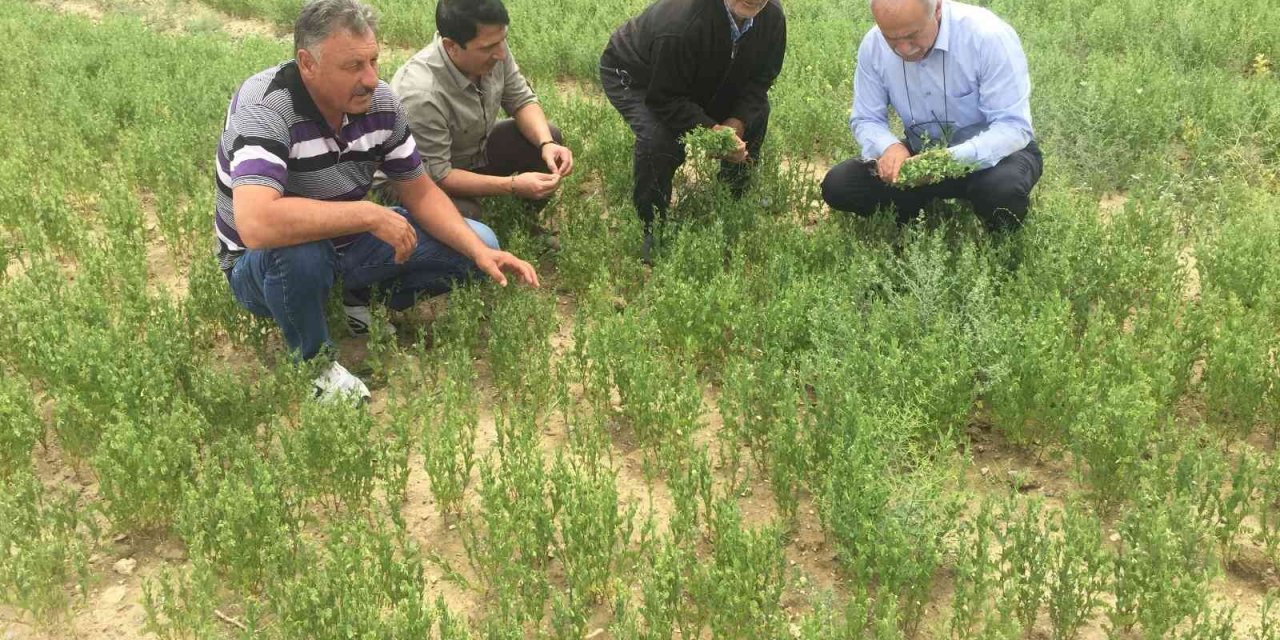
x: 274, y: 136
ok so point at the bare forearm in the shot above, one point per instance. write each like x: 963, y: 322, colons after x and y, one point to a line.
x: 286, y: 222
x: 466, y: 184
x: 532, y: 122
x: 432, y: 209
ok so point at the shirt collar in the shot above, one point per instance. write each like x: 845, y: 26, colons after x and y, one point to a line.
x: 303, y: 103
x: 943, y: 41
x: 439, y: 59
x: 735, y: 31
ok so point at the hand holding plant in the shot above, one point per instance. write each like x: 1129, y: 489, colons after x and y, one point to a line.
x: 931, y: 167
x: 717, y: 142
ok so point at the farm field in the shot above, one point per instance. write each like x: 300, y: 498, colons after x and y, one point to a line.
x: 794, y: 425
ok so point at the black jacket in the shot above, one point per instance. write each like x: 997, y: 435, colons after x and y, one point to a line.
x: 681, y: 53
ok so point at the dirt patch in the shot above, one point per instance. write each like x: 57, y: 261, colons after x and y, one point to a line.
x: 1190, y: 274
x: 1111, y: 205
x: 574, y: 89
x: 166, y: 272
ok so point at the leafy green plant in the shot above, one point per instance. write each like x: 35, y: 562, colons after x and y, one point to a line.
x: 1161, y: 570
x: 47, y: 538
x: 449, y: 428
x: 19, y: 426
x: 738, y: 592
x: 1024, y: 549
x: 930, y: 167
x: 976, y: 574
x: 144, y: 466
x: 241, y: 515
x: 334, y: 453
x: 510, y: 539
x: 363, y: 580
x: 593, y: 530
x: 1078, y: 569
x: 890, y: 507
x: 180, y: 603
x: 709, y: 142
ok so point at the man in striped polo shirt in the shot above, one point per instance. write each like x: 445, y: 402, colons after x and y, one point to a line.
x: 301, y: 143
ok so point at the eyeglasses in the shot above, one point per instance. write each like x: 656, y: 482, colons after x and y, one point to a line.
x: 930, y: 134
x: 935, y: 132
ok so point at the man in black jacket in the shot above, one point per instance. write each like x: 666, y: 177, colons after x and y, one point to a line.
x: 693, y: 63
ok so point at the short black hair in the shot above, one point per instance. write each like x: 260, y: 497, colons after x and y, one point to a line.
x: 459, y: 20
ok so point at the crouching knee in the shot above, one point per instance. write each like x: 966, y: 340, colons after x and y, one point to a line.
x: 487, y: 236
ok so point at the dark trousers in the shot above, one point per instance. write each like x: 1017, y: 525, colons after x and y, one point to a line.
x: 659, y: 151
x: 291, y: 284
x: 1000, y: 195
x: 507, y: 152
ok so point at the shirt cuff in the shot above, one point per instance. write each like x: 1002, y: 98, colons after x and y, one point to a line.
x: 520, y: 103
x: 875, y: 143
x: 964, y: 152
x: 438, y: 170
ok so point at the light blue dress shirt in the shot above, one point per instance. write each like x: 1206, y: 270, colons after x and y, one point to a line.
x: 974, y: 78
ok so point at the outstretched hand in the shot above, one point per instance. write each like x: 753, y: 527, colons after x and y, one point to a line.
x: 495, y: 262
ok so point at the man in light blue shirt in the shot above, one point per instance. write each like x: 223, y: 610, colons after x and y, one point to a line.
x: 957, y: 77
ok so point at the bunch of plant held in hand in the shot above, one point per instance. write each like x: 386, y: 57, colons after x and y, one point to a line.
x: 930, y: 167
x: 712, y: 143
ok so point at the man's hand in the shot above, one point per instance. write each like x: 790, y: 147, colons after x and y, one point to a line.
x: 535, y: 186
x: 494, y: 262
x: 393, y: 229
x: 739, y: 155
x: 890, y: 162
x: 559, y: 159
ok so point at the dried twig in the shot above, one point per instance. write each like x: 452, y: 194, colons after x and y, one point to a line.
x: 229, y: 620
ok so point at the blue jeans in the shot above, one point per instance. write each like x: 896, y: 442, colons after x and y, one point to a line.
x: 291, y: 284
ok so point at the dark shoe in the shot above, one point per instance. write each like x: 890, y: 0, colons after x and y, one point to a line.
x: 646, y: 249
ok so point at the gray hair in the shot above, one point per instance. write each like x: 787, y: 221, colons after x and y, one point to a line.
x: 321, y: 18
x: 929, y: 5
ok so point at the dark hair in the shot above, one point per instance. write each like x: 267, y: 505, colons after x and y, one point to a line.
x: 459, y: 20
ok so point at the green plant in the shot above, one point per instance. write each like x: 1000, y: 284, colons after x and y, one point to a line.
x: 738, y: 592
x: 333, y: 453
x: 449, y: 428
x: 1024, y: 549
x: 19, y: 426
x: 240, y: 515
x: 180, y: 604
x: 364, y: 580
x: 47, y: 538
x: 1078, y: 570
x: 709, y: 142
x: 930, y: 167
x: 593, y: 530
x: 1161, y: 570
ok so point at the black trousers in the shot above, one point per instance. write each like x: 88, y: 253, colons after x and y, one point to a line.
x: 658, y: 150
x: 1000, y: 195
x: 506, y: 152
